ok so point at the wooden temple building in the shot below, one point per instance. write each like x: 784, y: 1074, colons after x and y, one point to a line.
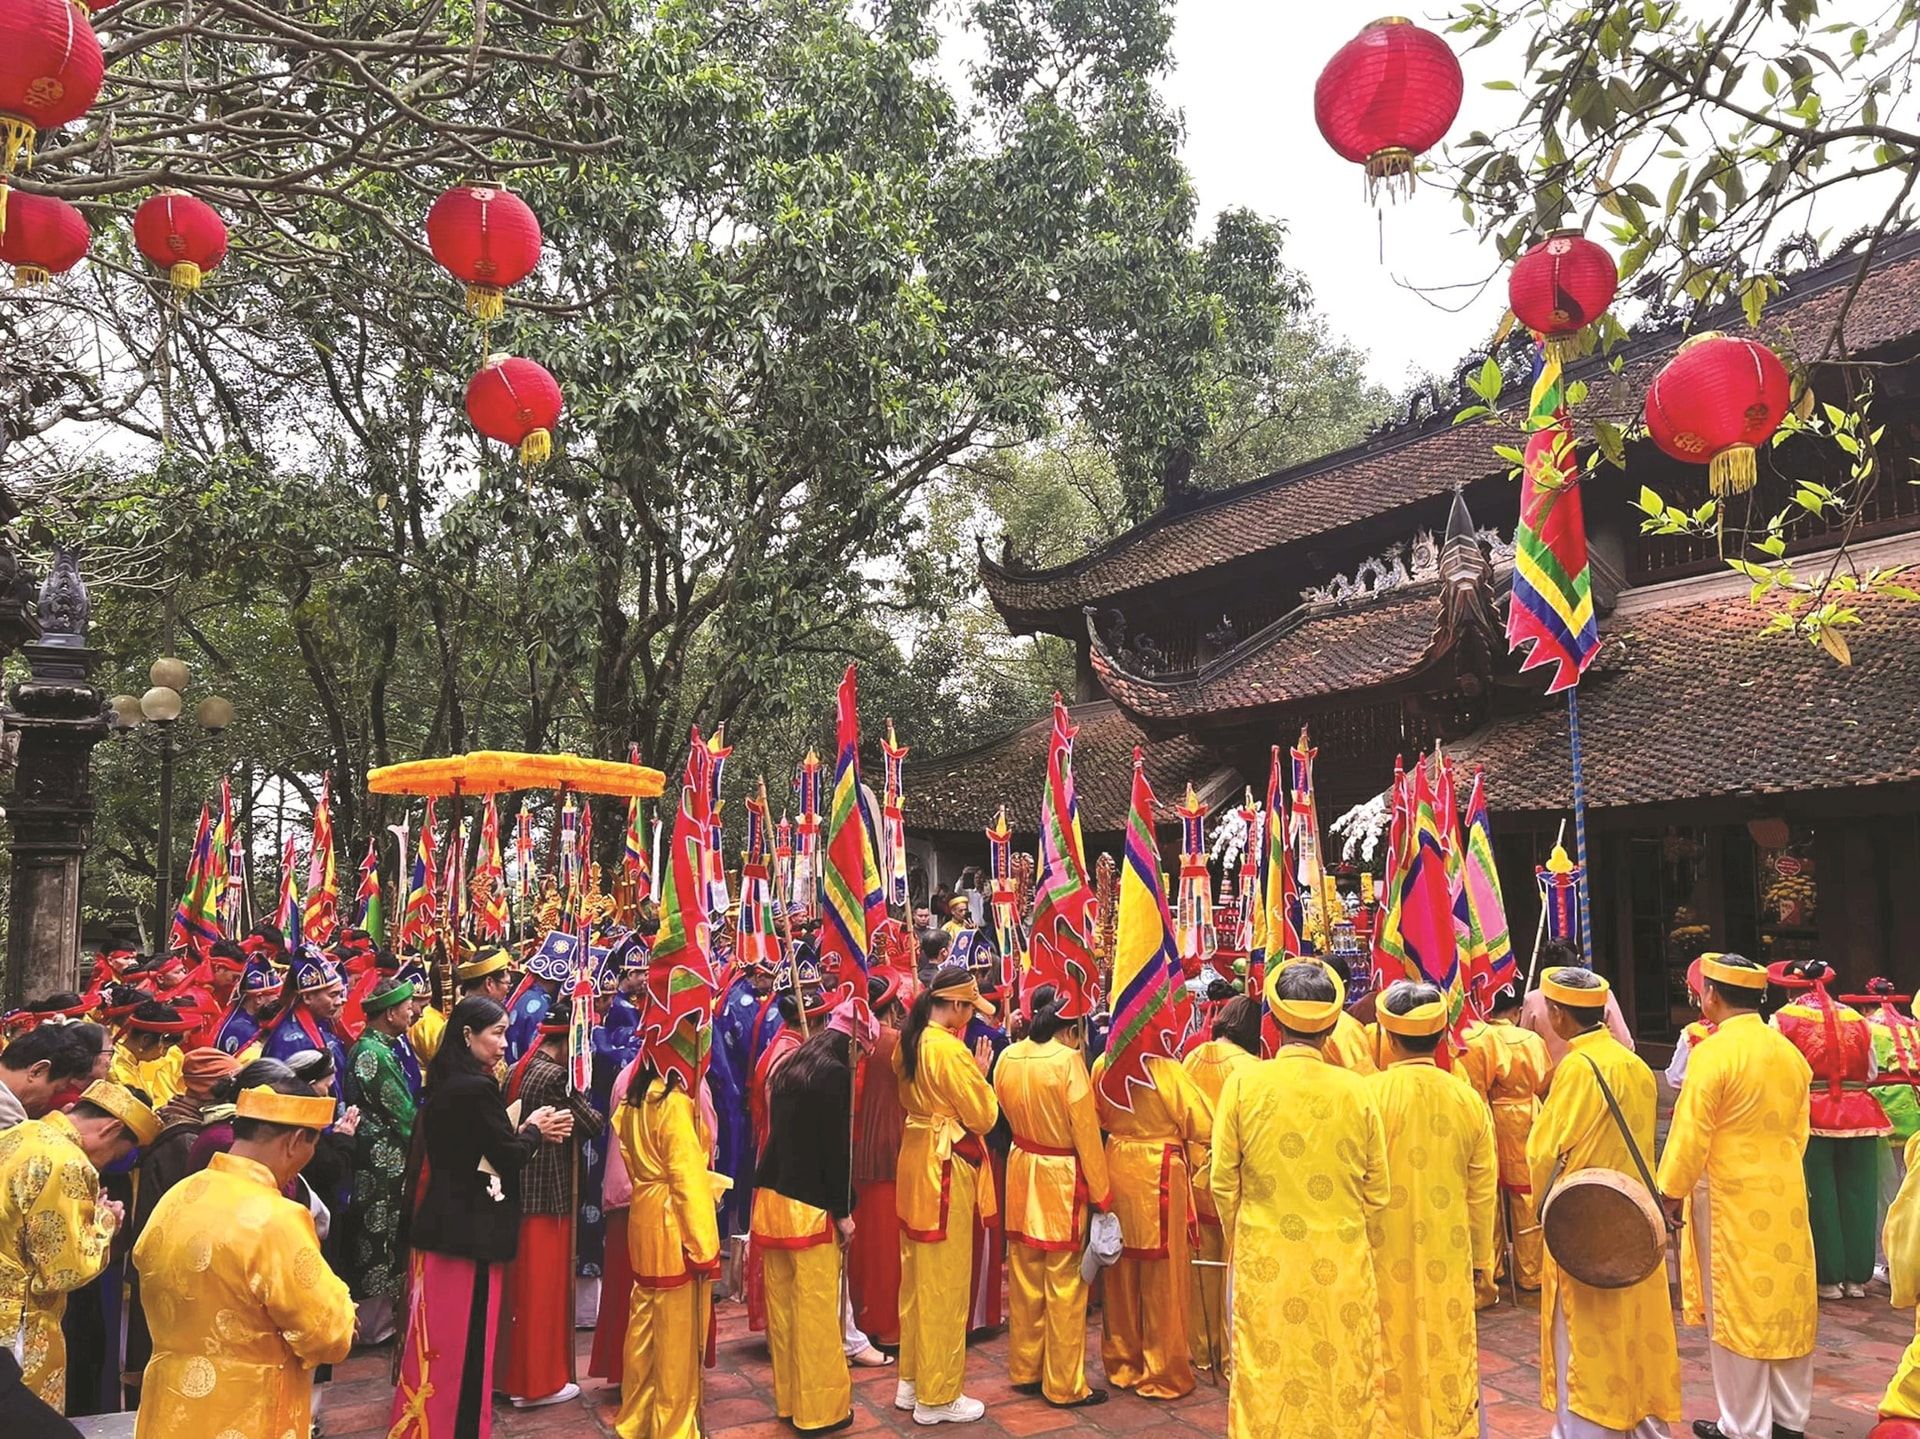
x: 1744, y: 792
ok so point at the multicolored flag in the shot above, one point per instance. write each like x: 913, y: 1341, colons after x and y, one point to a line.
x: 490, y: 913
x: 852, y: 871
x: 1146, y: 963
x: 1065, y: 904
x: 1193, y: 913
x: 1386, y: 963
x: 233, y: 900
x: 893, y: 837
x: 757, y: 941
x: 1490, y: 964
x: 322, y: 914
x: 719, y: 898
x: 368, y: 915
x: 680, y: 979
x: 1003, y: 907
x: 783, y: 860
x: 1246, y: 925
x: 633, y: 850
x: 421, y: 915
x: 1419, y: 924
x: 196, y: 918
x: 1280, y: 932
x: 571, y: 879
x: 286, y: 916
x: 1551, y: 613
x: 806, y: 855
x: 1309, y: 874
x: 523, y: 861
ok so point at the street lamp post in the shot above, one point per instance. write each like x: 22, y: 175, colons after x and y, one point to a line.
x: 161, y: 707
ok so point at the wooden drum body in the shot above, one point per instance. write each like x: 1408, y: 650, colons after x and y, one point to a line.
x: 1604, y: 1229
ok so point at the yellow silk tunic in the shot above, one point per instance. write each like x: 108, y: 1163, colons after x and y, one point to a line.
x: 53, y: 1239
x: 1057, y: 1166
x: 1741, y: 1123
x: 1520, y: 1072
x: 241, y: 1305
x: 1902, y: 1399
x: 1209, y: 1064
x: 1624, y: 1363
x: 1300, y: 1180
x: 1479, y: 1061
x: 1147, y: 1152
x: 159, y: 1079
x: 947, y: 1099
x: 671, y: 1226
x: 1437, y: 1230
x: 1350, y: 1046
x: 424, y: 1034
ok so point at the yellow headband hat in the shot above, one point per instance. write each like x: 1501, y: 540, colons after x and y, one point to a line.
x: 968, y: 993
x: 141, y: 1121
x: 303, y: 1111
x: 1572, y: 995
x: 1423, y: 1019
x: 482, y: 967
x: 1741, y: 976
x: 1306, y: 1016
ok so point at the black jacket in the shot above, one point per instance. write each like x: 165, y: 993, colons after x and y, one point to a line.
x: 457, y: 1209
x: 809, y: 1134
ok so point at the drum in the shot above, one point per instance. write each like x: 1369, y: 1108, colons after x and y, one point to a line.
x: 1604, y: 1229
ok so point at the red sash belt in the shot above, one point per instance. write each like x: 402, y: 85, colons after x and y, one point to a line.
x: 1051, y: 1151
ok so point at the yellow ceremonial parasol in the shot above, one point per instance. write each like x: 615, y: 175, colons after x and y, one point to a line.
x: 492, y: 771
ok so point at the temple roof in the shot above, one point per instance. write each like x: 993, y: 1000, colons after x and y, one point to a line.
x: 960, y: 793
x: 1419, y: 463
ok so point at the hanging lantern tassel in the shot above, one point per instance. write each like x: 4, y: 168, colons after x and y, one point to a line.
x: 536, y: 448
x: 1733, y: 471
x: 1716, y: 400
x: 183, y: 277
x: 5, y: 190
x: 1390, y: 171
x: 18, y: 135
x: 486, y: 303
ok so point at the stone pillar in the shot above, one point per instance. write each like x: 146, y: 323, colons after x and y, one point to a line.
x: 57, y: 717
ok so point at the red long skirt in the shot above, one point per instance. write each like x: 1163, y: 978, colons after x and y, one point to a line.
x: 536, y: 1316
x: 873, y: 1262
x: 616, y: 1294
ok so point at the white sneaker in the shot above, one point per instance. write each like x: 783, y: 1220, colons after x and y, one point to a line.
x: 1830, y: 1291
x: 1854, y: 1291
x: 559, y: 1396
x: 962, y: 1411
x: 903, y: 1394
x: 1880, y: 1275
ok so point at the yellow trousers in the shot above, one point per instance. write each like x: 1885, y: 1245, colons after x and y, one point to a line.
x: 660, y: 1381
x: 1047, y: 1321
x: 1144, y: 1337
x: 1902, y: 1399
x: 935, y: 1280
x: 1207, y: 1309
x: 811, y: 1385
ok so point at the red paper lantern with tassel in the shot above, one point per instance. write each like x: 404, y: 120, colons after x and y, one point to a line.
x: 487, y: 237
x: 44, y: 237
x: 516, y: 402
x: 1714, y: 402
x: 50, y: 70
x: 1387, y: 96
x: 1562, y: 285
x: 181, y: 234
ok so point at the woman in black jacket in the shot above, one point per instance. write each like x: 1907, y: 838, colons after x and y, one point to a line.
x: 462, y: 1222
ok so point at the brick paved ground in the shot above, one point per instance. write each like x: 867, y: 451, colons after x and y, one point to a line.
x: 1859, y: 1344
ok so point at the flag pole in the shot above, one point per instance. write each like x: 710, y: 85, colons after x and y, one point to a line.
x: 1580, y: 824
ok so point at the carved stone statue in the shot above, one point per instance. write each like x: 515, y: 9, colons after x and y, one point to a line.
x: 65, y: 608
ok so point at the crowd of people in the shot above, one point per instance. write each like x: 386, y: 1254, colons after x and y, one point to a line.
x: 219, y: 1174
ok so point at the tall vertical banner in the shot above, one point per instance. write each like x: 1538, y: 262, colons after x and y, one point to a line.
x: 1064, y: 903
x: 1280, y: 931
x: 893, y: 839
x: 491, y: 914
x: 366, y: 896
x: 633, y: 851
x: 196, y: 918
x: 1491, y: 965
x: 757, y: 942
x: 418, y: 916
x: 1193, y: 915
x: 286, y: 915
x: 719, y: 898
x: 322, y: 914
x: 680, y: 978
x: 806, y: 854
x: 852, y: 875
x: 1146, y: 961
x: 1309, y: 873
x: 1003, y: 904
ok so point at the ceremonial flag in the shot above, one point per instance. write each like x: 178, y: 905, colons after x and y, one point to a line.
x: 1420, y: 928
x: 633, y: 854
x: 367, y: 896
x: 1309, y: 875
x: 233, y: 900
x: 893, y: 839
x: 1551, y: 612
x: 453, y: 881
x: 286, y: 917
x: 491, y: 916
x: 322, y: 915
x: 570, y: 878
x: 1280, y: 934
x: 196, y: 918
x: 1065, y: 903
x: 1146, y: 965
x: 852, y: 872
x: 1246, y: 923
x: 680, y: 978
x: 719, y: 900
x: 806, y: 858
x: 1193, y: 921
x: 1386, y: 962
x: 523, y: 863
x: 417, y: 920
x: 1002, y: 891
x: 1491, y: 965
x: 756, y: 941
x: 782, y: 860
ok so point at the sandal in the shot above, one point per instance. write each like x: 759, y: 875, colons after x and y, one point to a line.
x: 871, y: 1358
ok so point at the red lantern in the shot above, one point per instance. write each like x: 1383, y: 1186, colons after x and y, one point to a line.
x: 1562, y: 285
x: 1714, y: 401
x: 515, y: 402
x: 44, y: 237
x: 50, y: 69
x: 181, y: 234
x: 1388, y: 95
x: 487, y: 237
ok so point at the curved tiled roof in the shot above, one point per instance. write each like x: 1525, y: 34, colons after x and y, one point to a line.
x: 1409, y: 466
x: 1307, y: 655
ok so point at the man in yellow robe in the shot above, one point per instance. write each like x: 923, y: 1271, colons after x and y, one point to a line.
x: 1144, y: 1301
x: 1234, y: 1045
x: 1300, y: 1179
x: 1739, y: 1132
x: 55, y: 1229
x: 1902, y: 1399
x: 1056, y: 1170
x: 1509, y: 1066
x: 1350, y: 1046
x: 1609, y: 1362
x: 1438, y: 1228
x: 242, y: 1307
x: 147, y: 1055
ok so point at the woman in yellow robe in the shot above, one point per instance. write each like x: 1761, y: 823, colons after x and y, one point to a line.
x: 1510, y: 1068
x: 949, y: 1107
x: 1607, y: 1356
x: 1438, y: 1228
x: 1056, y: 1170
x: 1144, y: 1306
x: 1300, y: 1178
x: 242, y: 1307
x: 1234, y: 1044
